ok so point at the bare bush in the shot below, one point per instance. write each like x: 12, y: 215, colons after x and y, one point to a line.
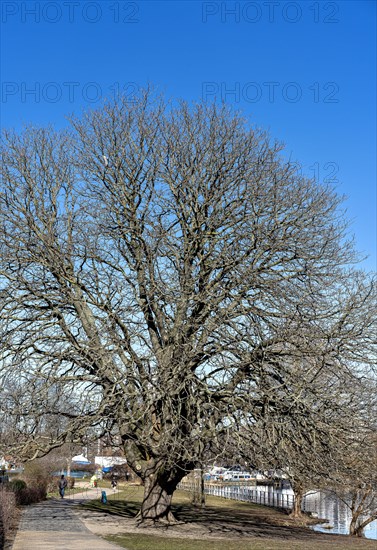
x: 7, y: 513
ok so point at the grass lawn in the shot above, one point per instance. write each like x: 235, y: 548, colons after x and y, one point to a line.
x: 152, y: 542
x: 236, y: 526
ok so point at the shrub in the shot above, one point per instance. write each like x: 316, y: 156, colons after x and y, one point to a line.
x: 17, y: 485
x: 71, y: 482
x: 51, y: 484
x: 38, y: 473
x: 27, y: 495
x: 30, y: 495
x: 7, y: 513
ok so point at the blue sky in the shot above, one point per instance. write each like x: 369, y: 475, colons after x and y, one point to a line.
x: 304, y: 70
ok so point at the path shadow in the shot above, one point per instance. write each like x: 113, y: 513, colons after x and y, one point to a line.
x: 228, y: 521
x: 221, y: 522
x: 126, y: 509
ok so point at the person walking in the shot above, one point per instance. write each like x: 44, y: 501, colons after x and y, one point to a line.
x: 114, y: 481
x: 62, y: 486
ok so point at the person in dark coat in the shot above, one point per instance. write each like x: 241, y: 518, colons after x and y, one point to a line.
x: 62, y: 486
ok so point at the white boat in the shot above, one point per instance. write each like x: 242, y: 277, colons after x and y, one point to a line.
x: 236, y: 476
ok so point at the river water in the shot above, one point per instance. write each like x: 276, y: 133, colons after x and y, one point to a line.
x: 339, y: 515
x: 78, y: 474
x: 327, y: 507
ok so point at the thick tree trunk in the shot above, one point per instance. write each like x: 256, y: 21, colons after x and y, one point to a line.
x: 158, y: 494
x: 360, y: 508
x: 297, y: 503
x: 198, y: 495
x: 159, y: 481
x: 355, y: 529
x: 357, y: 526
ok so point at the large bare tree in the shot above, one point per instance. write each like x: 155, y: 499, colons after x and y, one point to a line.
x: 164, y: 273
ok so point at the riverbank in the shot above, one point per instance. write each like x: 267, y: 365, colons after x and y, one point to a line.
x: 221, y: 525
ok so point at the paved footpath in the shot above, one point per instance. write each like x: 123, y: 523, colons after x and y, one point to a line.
x: 54, y: 525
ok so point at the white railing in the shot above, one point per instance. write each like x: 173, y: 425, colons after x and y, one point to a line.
x: 245, y: 494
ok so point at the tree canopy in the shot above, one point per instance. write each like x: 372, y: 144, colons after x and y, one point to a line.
x: 166, y: 274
